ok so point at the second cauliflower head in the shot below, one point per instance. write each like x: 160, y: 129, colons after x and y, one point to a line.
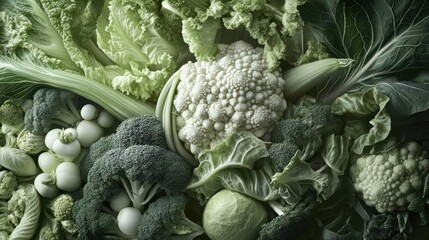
x: 390, y: 181
x: 235, y: 92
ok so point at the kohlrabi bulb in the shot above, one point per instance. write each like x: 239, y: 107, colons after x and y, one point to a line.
x: 231, y: 215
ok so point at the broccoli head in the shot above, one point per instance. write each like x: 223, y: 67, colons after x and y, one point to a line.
x: 165, y: 219
x: 96, y: 151
x: 384, y: 226
x: 143, y: 171
x: 51, y: 108
x: 292, y: 223
x: 143, y: 130
x: 303, y: 128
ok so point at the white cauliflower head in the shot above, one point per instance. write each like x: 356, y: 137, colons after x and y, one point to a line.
x: 390, y: 181
x: 232, y: 93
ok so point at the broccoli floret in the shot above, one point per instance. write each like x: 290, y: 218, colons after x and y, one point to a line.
x: 143, y: 130
x: 320, y: 117
x: 304, y: 128
x: 280, y: 154
x: 8, y: 183
x: 291, y: 135
x: 292, y: 223
x: 51, y: 108
x: 57, y: 221
x: 383, y: 226
x: 31, y: 143
x: 165, y: 219
x: 96, y: 151
x: 142, y: 170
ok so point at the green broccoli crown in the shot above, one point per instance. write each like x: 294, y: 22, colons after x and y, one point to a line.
x: 280, y: 154
x: 143, y: 130
x: 320, y: 117
x: 383, y: 226
x: 165, y: 218
x: 137, y: 169
x: 51, y: 107
x: 291, y: 224
x: 154, y: 164
x: 96, y: 151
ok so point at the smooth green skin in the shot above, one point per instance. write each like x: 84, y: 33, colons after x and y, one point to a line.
x: 232, y: 215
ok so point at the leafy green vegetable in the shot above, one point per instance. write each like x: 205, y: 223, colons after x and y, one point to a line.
x: 227, y: 216
x: 383, y: 37
x: 18, y: 78
x: 297, y: 178
x: 238, y: 151
x: 17, y: 161
x: 363, y: 105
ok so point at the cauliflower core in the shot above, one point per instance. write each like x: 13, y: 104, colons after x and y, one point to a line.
x: 390, y: 181
x: 232, y: 93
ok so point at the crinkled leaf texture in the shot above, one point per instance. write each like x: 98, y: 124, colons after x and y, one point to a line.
x: 229, y: 165
x: 362, y: 105
x: 384, y: 37
x: 297, y: 178
x: 18, y: 162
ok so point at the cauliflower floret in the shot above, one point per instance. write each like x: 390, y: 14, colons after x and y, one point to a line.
x: 391, y: 180
x: 232, y: 93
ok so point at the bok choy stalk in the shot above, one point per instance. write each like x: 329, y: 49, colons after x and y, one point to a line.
x: 18, y: 78
x: 300, y: 79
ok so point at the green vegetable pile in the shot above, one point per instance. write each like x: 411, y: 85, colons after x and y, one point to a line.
x: 214, y: 119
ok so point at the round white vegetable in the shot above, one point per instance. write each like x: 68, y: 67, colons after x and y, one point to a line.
x: 51, y: 136
x: 48, y: 162
x: 66, y: 151
x: 68, y: 176
x: 88, y: 112
x: 43, y: 189
x: 105, y: 119
x: 128, y: 220
x: 88, y: 132
x: 120, y: 201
